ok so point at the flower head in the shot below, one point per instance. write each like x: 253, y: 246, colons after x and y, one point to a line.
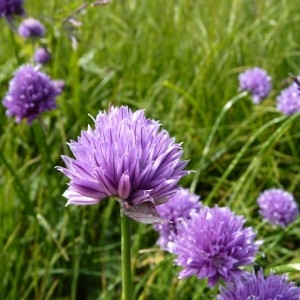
x: 30, y: 93
x: 126, y: 156
x: 9, y: 8
x: 175, y: 210
x: 41, y: 56
x: 288, y: 102
x: 59, y: 86
x: 31, y: 28
x: 258, y: 287
x: 213, y: 244
x: 257, y: 82
x: 278, y: 207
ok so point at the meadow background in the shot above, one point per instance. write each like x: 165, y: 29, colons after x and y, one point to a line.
x: 178, y: 60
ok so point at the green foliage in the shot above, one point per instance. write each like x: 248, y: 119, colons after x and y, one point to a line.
x: 178, y: 60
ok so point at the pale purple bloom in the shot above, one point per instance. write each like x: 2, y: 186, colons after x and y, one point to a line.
x: 41, y: 56
x: 30, y: 93
x: 31, y: 28
x: 126, y: 156
x: 278, y: 207
x: 288, y: 102
x: 257, y: 287
x: 213, y: 244
x: 59, y: 86
x: 257, y: 82
x: 9, y: 8
x: 175, y: 210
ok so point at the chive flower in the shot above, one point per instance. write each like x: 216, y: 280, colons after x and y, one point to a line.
x: 257, y: 82
x: 128, y: 157
x: 288, y: 102
x: 278, y: 207
x: 31, y: 92
x: 31, y: 28
x: 177, y: 209
x: 213, y: 244
x: 10, y: 8
x: 59, y: 86
x: 257, y: 287
x: 41, y: 56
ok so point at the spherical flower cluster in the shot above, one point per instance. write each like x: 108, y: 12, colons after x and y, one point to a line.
x: 31, y: 28
x: 258, y: 287
x: 278, y: 207
x: 9, y: 8
x: 126, y: 156
x: 175, y: 210
x: 41, y: 56
x: 30, y: 93
x: 288, y: 102
x: 257, y: 82
x: 213, y: 244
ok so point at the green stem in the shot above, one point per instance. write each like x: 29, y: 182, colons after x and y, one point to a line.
x: 15, y: 46
x: 126, y: 257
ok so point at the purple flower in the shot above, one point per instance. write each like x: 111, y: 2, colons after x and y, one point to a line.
x: 288, y: 102
x: 59, y: 86
x: 126, y: 156
x: 41, y: 56
x: 9, y: 8
x: 258, y: 287
x: 257, y: 82
x: 30, y: 93
x: 278, y: 207
x: 213, y: 244
x: 31, y: 28
x: 175, y: 210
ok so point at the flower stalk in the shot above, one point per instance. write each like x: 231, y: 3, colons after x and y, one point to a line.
x: 125, y: 257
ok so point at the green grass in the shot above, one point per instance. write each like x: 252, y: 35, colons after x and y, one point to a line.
x: 178, y: 60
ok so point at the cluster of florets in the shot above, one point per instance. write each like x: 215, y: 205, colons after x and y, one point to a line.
x: 288, y: 102
x: 31, y: 92
x: 256, y: 286
x: 278, y: 207
x: 10, y: 8
x: 41, y: 56
x: 214, y: 244
x: 31, y: 28
x: 176, y: 210
x: 126, y: 156
x: 258, y: 83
